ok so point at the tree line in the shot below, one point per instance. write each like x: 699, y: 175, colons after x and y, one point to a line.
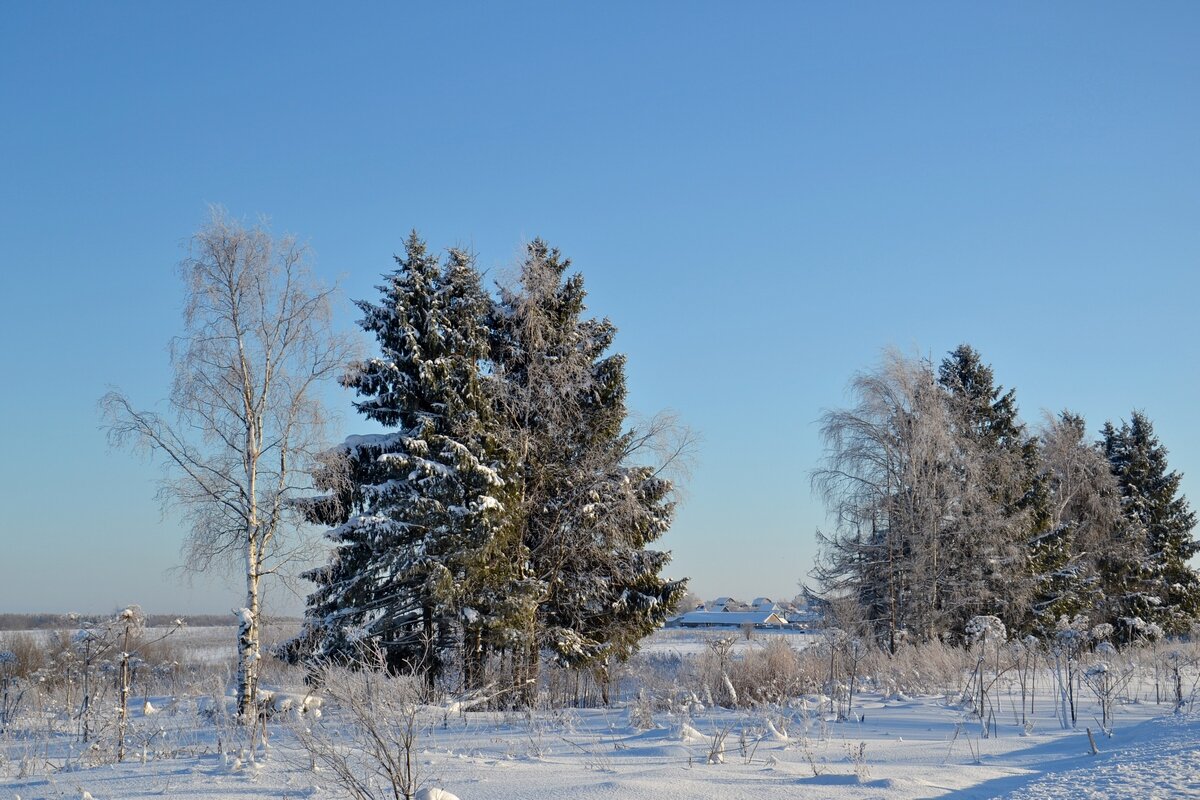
x: 946, y: 507
x: 503, y: 507
x: 63, y: 622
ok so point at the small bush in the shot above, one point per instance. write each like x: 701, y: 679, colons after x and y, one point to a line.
x: 29, y: 652
x: 380, y: 715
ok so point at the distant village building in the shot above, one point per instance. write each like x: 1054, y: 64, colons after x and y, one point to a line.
x: 732, y: 619
x: 729, y: 613
x: 761, y: 613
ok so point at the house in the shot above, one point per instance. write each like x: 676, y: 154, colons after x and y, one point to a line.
x: 724, y: 604
x: 732, y: 619
x: 729, y: 613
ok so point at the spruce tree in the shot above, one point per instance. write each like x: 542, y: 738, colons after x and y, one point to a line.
x: 586, y: 514
x: 1157, y: 584
x: 988, y: 413
x: 1000, y: 496
x: 417, y: 508
x: 506, y: 512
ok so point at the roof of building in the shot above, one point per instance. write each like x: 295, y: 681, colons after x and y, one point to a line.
x: 764, y: 617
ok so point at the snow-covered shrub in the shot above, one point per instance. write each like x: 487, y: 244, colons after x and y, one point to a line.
x: 667, y: 680
x: 11, y: 691
x: 1177, y: 661
x: 711, y: 678
x: 1025, y: 655
x: 1104, y: 681
x: 641, y: 712
x: 987, y: 635
x: 29, y: 652
x: 1070, y: 638
x: 1100, y: 633
x: 372, y: 751
x: 914, y: 669
x: 1136, y: 629
x: 858, y: 757
x: 985, y: 629
x: 772, y: 673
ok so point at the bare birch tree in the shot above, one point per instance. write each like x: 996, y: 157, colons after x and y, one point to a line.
x: 245, y: 419
x: 895, y: 480
x: 1084, y: 531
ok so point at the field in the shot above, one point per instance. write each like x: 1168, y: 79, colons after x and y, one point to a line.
x: 902, y: 727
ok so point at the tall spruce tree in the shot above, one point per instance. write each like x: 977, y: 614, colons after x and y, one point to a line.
x: 1155, y: 583
x: 585, y: 512
x: 997, y: 521
x: 418, y: 508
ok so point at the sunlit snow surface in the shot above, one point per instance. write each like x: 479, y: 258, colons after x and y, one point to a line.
x: 910, y: 748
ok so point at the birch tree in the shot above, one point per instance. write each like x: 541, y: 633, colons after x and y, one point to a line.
x: 1084, y: 538
x: 244, y: 419
x: 897, y: 479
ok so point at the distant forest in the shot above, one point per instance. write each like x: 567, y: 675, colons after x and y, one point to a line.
x: 54, y: 622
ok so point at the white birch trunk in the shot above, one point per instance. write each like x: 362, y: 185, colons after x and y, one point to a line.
x: 248, y: 642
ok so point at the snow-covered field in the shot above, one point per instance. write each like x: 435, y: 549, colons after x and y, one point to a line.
x: 677, y: 746
x: 692, y: 642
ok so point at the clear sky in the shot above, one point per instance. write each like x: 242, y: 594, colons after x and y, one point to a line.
x: 761, y: 197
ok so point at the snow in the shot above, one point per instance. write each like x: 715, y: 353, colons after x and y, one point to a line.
x: 370, y: 440
x: 435, y: 794
x: 689, y: 642
x: 894, y: 748
x: 488, y: 503
x: 486, y: 758
x: 1156, y: 759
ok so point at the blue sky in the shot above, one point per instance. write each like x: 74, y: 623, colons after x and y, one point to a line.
x: 760, y: 196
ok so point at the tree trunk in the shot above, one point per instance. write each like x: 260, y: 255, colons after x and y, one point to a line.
x: 525, y: 668
x: 248, y: 641
x: 428, y: 656
x: 473, y: 659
